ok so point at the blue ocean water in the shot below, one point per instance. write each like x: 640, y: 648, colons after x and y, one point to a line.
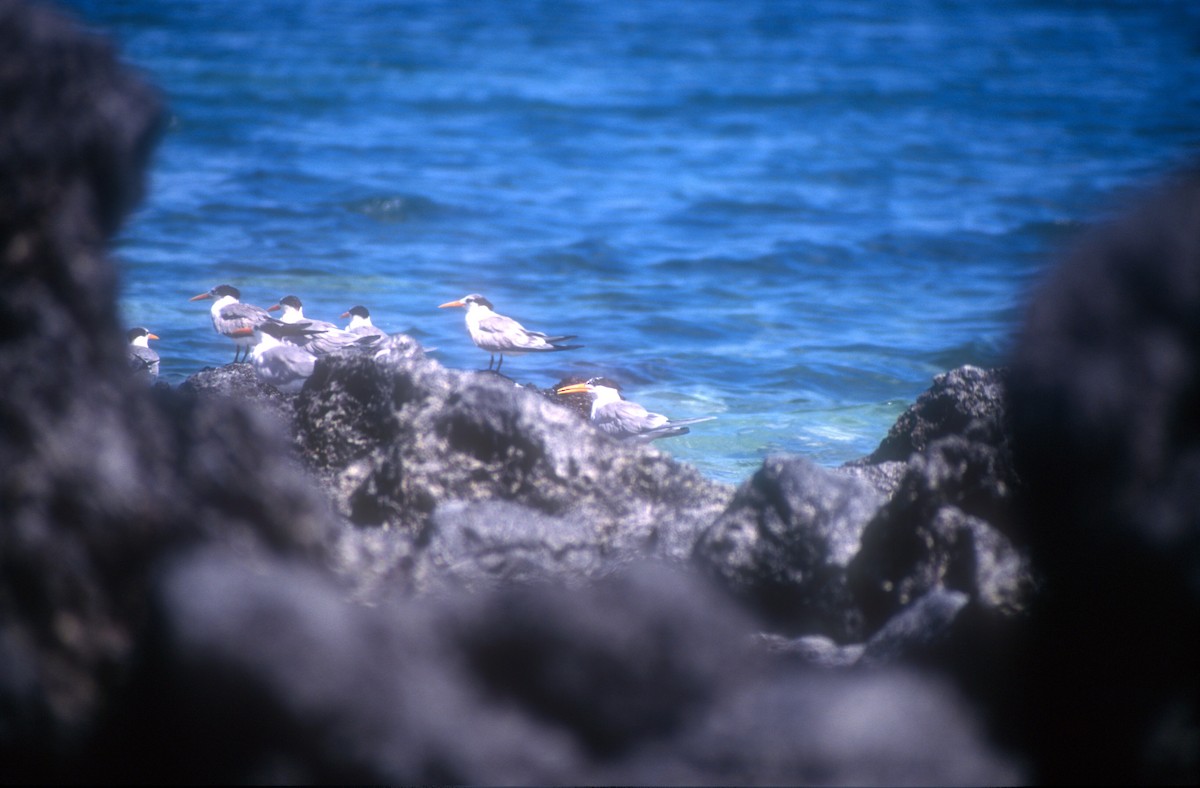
x: 789, y: 215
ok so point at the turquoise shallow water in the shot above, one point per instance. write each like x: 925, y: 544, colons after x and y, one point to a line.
x: 790, y: 215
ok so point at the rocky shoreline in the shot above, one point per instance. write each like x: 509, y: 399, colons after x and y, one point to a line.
x: 455, y: 493
x: 407, y: 574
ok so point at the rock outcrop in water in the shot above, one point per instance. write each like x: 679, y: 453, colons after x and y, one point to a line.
x: 407, y: 573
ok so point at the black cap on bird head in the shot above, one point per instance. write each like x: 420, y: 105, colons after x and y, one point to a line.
x: 606, y: 382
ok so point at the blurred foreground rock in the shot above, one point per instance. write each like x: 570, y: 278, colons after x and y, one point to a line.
x: 1106, y: 431
x: 406, y: 573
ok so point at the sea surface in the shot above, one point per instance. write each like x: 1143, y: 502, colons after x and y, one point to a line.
x: 788, y: 215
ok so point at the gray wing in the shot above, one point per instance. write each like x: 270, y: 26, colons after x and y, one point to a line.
x: 499, y: 333
x: 241, y: 316
x: 630, y: 421
x: 143, y: 361
x: 626, y: 419
x: 285, y: 367
x: 328, y: 341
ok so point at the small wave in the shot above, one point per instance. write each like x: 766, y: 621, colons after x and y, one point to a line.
x: 398, y: 208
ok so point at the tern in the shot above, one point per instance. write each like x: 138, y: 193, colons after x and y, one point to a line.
x: 360, y: 322
x: 283, y: 365
x: 231, y: 318
x: 324, y: 337
x: 498, y: 334
x: 627, y: 420
x: 143, y: 360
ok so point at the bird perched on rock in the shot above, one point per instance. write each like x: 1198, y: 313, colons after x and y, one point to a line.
x: 143, y: 360
x: 623, y: 419
x: 233, y: 319
x: 278, y: 362
x: 498, y: 334
x: 360, y: 322
x: 323, y: 337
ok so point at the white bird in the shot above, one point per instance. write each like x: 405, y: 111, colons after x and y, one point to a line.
x: 143, y: 360
x: 499, y: 335
x: 360, y: 322
x: 324, y: 336
x: 627, y: 420
x: 281, y: 364
x: 231, y: 318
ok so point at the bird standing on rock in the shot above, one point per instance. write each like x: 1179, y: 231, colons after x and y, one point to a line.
x: 231, y: 318
x: 498, y: 334
x: 143, y: 360
x: 623, y: 419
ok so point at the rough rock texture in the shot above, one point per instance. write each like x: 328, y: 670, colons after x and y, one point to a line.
x: 238, y: 382
x: 464, y: 582
x: 961, y: 400
x: 1106, y: 429
x: 398, y: 437
x: 921, y: 540
x: 785, y: 542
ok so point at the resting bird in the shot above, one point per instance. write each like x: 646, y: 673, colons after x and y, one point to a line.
x: 324, y: 337
x: 624, y: 419
x: 143, y: 360
x: 499, y: 335
x: 360, y: 322
x: 284, y: 365
x: 231, y: 318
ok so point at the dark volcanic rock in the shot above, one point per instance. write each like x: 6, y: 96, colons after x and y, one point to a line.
x: 785, y: 542
x: 398, y: 436
x: 916, y: 631
x: 947, y: 530
x: 964, y: 401
x: 346, y: 410
x: 636, y: 656
x: 238, y: 381
x: 907, y: 553
x: 487, y: 543
x: 100, y: 477
x: 831, y: 728
x: 1106, y: 430
x: 950, y: 518
x: 266, y: 673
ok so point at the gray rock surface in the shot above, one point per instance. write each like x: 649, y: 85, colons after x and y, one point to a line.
x: 399, y: 437
x: 785, y: 542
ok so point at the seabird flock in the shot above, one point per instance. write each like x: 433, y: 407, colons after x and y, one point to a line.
x: 284, y: 351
